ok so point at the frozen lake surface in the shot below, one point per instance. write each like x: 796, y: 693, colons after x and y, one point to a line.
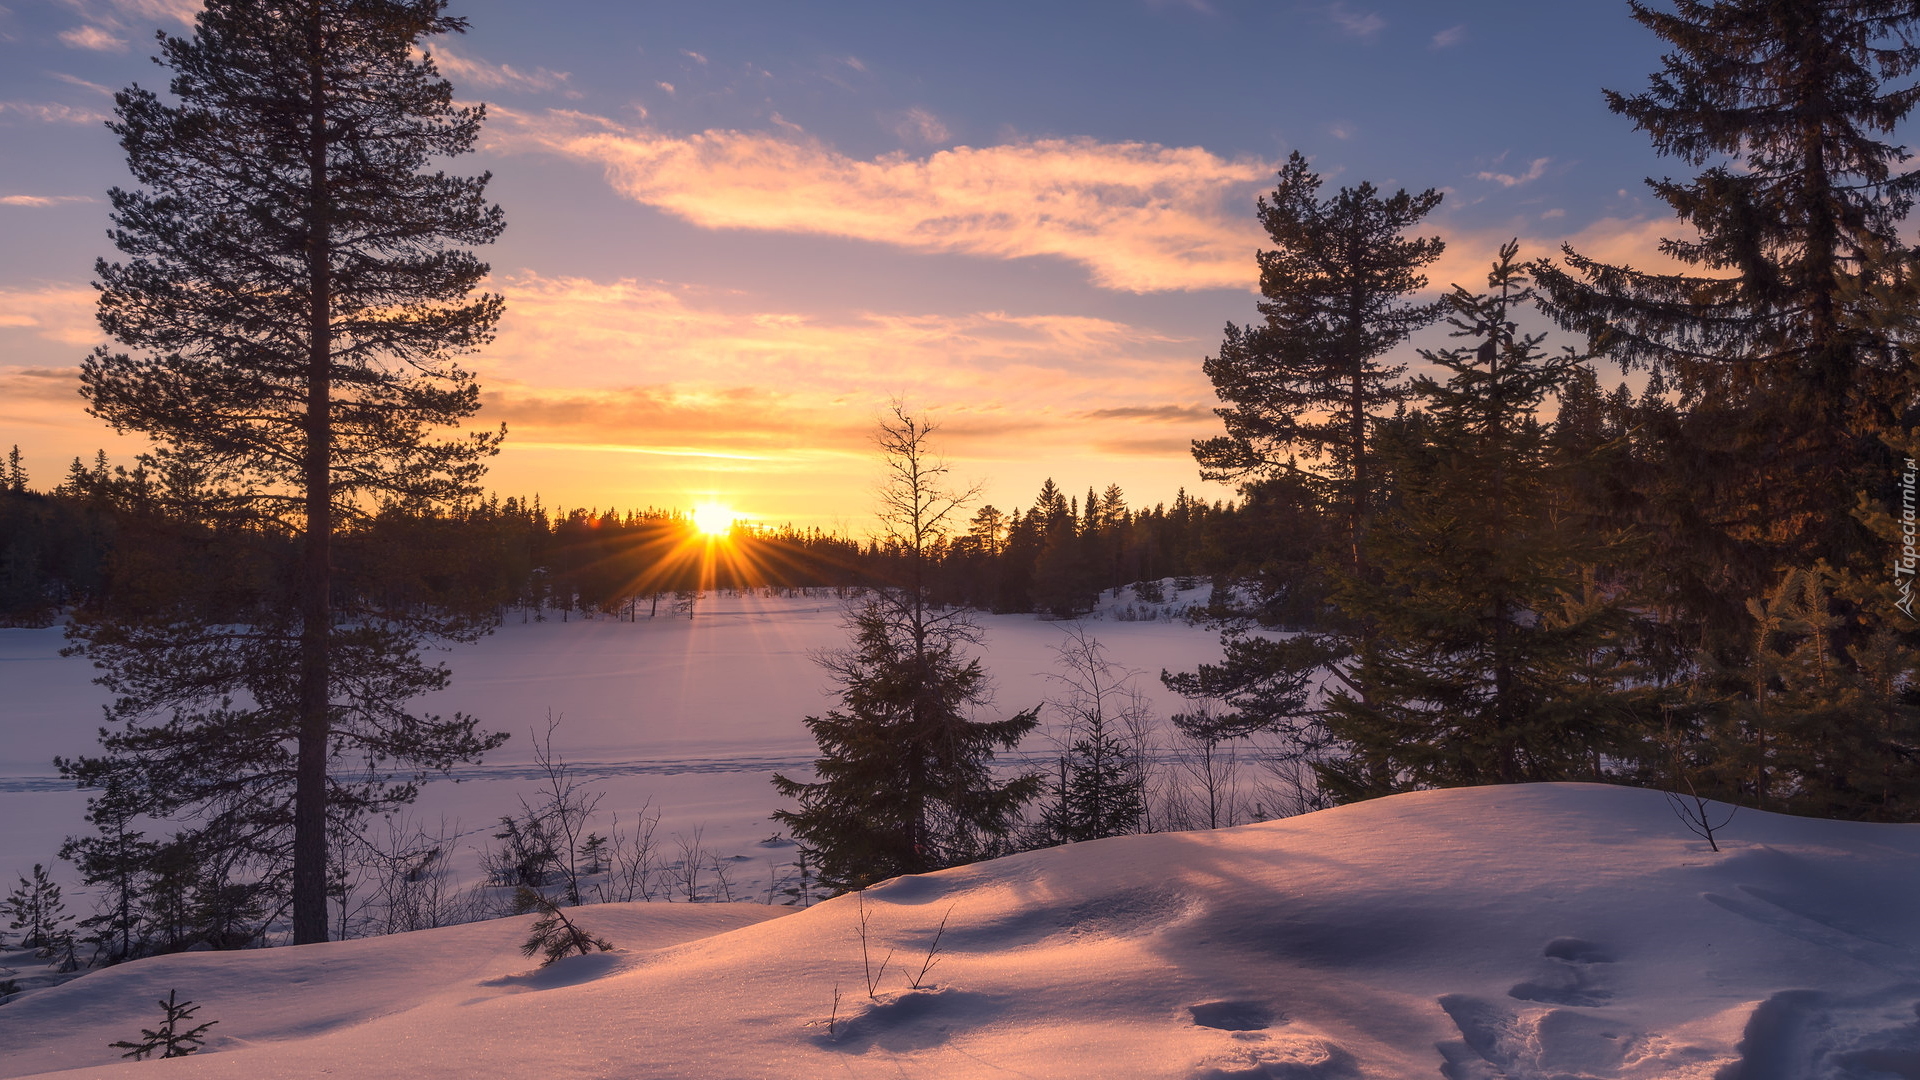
x: 690, y: 717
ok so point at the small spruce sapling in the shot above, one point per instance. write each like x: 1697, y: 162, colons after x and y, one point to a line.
x: 35, y: 909
x: 553, y: 935
x: 169, y: 1037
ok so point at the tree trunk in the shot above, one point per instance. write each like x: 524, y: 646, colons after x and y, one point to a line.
x: 316, y: 609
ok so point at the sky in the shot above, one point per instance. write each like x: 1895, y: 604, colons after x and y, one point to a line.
x: 738, y: 230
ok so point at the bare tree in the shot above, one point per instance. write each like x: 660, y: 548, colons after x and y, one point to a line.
x: 686, y: 872
x: 563, y: 806
x: 635, y: 869
x: 1209, y: 758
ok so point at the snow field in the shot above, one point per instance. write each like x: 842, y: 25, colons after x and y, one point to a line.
x: 1544, y: 932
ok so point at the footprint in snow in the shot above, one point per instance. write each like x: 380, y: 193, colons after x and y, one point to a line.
x: 1568, y: 977
x: 1233, y: 1015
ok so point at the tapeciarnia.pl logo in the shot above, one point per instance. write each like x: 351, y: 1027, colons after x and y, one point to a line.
x: 1903, y: 567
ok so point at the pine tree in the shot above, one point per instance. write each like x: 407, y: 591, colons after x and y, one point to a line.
x: 296, y: 292
x: 1304, y: 388
x: 1491, y: 656
x: 904, y: 783
x: 118, y: 861
x: 553, y: 935
x: 35, y: 909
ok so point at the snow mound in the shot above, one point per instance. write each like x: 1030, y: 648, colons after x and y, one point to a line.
x: 1545, y: 932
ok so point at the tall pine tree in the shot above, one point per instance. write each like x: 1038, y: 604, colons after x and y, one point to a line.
x: 297, y: 286
x: 1304, y: 388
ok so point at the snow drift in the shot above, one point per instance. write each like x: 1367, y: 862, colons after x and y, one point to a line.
x: 1548, y: 931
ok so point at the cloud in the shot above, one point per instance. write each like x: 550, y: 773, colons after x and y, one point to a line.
x: 43, y: 200
x: 1140, y: 217
x: 1363, y: 25
x: 1341, y: 131
x: 1156, y: 413
x: 1448, y: 38
x: 473, y: 71
x: 48, y: 113
x: 60, y: 313
x: 180, y: 11
x: 1535, y: 170
x: 94, y: 38
x: 1631, y: 242
x: 107, y: 21
x: 1200, y: 6
x: 661, y: 368
x: 75, y: 80
x: 921, y: 125
x: 667, y: 86
x: 694, y: 56
x: 41, y: 385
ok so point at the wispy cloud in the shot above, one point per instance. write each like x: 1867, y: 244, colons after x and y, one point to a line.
x: 471, y: 71
x: 1451, y: 36
x: 1162, y: 414
x: 1360, y: 24
x: 1200, y: 6
x: 43, y: 200
x: 48, y: 113
x: 632, y: 362
x: 921, y: 125
x: 1139, y: 216
x: 108, y: 22
x: 75, y: 80
x: 1535, y: 170
x: 62, y: 313
x: 180, y: 11
x: 694, y: 56
x: 94, y: 38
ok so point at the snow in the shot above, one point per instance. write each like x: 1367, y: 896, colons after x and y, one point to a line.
x: 1535, y: 932
x: 688, y: 718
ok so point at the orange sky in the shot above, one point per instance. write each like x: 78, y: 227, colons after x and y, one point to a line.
x: 730, y: 245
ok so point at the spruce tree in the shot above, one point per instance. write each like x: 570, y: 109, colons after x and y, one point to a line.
x: 296, y: 289
x: 1101, y: 786
x: 1491, y: 656
x: 1304, y: 389
x: 904, y: 783
x: 1789, y: 105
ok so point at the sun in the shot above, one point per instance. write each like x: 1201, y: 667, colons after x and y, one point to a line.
x: 713, y: 519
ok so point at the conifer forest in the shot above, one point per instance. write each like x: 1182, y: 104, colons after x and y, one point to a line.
x: 1566, y: 520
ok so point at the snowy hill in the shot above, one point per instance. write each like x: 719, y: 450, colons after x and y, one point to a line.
x: 1554, y: 931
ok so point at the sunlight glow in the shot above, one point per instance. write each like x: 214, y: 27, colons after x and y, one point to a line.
x: 713, y: 519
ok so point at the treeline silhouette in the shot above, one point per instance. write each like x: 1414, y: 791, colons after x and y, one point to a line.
x: 94, y: 539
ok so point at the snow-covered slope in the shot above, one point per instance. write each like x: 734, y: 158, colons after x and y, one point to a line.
x: 1553, y: 931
